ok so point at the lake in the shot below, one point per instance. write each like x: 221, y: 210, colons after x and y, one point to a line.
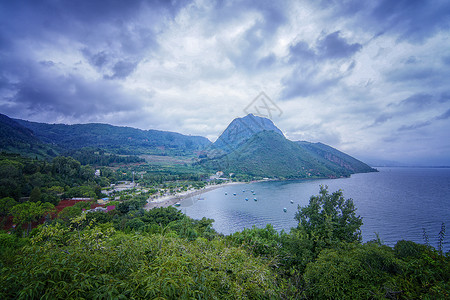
x: 396, y: 203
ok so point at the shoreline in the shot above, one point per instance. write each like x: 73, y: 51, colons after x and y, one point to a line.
x: 170, y: 200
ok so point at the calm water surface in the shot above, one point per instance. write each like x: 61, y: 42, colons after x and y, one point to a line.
x: 396, y: 203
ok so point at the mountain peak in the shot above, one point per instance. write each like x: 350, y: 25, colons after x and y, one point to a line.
x: 241, y: 129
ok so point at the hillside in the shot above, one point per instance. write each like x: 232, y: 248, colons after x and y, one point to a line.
x: 269, y: 154
x: 16, y: 138
x: 122, y: 140
x: 335, y: 156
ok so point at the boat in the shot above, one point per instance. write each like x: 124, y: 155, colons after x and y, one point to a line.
x: 226, y: 193
x: 246, y: 199
x: 252, y: 191
x: 292, y: 201
x: 255, y: 199
x: 285, y: 209
x: 177, y: 204
x: 234, y: 194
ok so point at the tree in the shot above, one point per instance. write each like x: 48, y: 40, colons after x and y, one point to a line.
x: 5, y: 205
x: 35, y: 195
x: 329, y: 219
x: 28, y: 212
x: 69, y: 212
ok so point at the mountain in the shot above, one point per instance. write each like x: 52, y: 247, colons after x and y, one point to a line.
x: 269, y: 154
x: 122, y: 140
x: 335, y: 156
x: 18, y: 139
x: 241, y: 129
x: 255, y: 146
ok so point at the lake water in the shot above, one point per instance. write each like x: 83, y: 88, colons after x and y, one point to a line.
x: 396, y: 203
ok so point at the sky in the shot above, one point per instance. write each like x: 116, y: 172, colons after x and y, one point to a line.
x: 370, y: 78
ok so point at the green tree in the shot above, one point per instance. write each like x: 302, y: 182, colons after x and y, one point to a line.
x: 28, y: 212
x: 69, y: 212
x: 35, y: 195
x: 330, y: 219
x: 5, y: 205
x: 353, y: 272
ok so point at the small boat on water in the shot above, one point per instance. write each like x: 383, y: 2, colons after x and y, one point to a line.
x: 246, y: 199
x: 292, y: 201
x: 226, y: 193
x: 285, y: 209
x: 255, y: 199
x: 234, y: 194
x: 177, y: 204
x: 252, y: 191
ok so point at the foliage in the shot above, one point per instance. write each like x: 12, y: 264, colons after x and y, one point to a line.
x: 264, y: 242
x: 5, y: 205
x: 329, y: 219
x: 28, y: 212
x: 100, y: 263
x: 98, y: 157
x: 353, y: 272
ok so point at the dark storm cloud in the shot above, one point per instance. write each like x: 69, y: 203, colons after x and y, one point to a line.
x: 411, y: 20
x: 446, y: 60
x: 301, y: 52
x: 414, y: 126
x: 306, y: 80
x: 444, y: 97
x: 246, y: 54
x: 111, y: 36
x: 381, y: 119
x: 122, y: 69
x: 444, y: 116
x: 303, y: 84
x: 417, y: 101
x: 333, y: 46
x: 71, y: 95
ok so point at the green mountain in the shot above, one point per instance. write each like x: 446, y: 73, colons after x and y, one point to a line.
x: 241, y: 129
x: 255, y: 146
x: 16, y: 138
x: 121, y: 140
x: 335, y: 156
x: 269, y: 154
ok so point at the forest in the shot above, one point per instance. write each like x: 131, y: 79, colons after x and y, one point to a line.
x: 161, y: 253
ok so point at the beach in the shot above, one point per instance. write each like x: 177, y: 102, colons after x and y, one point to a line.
x: 170, y: 200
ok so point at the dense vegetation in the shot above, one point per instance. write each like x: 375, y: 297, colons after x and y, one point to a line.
x: 121, y: 140
x: 269, y: 154
x: 161, y: 253
x: 99, y: 157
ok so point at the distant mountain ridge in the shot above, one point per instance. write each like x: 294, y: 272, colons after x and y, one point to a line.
x: 121, y: 140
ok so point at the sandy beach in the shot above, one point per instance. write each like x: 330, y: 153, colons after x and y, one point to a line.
x: 179, y: 197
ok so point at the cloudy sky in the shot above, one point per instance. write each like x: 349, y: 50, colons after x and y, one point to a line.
x: 371, y: 78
